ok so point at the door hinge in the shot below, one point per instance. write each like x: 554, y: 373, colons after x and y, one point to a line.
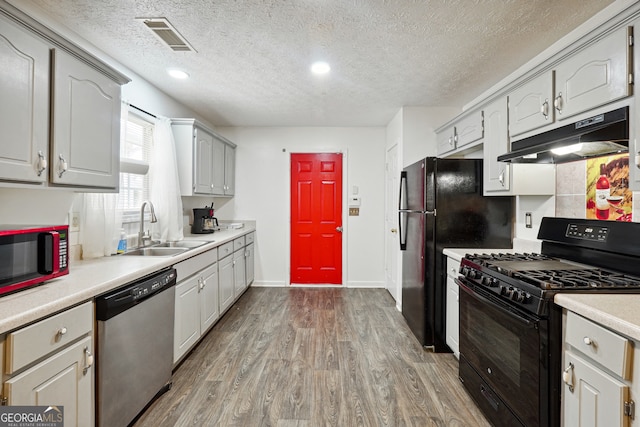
x: 630, y: 78
x: 3, y: 401
x: 630, y: 409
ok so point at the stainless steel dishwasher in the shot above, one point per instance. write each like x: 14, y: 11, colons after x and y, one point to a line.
x: 134, y: 357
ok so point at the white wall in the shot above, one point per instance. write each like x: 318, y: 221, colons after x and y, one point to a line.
x: 262, y: 194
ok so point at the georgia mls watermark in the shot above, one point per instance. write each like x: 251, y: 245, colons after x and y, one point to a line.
x: 31, y: 416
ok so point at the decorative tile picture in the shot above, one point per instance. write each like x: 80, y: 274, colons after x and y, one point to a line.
x: 608, y: 193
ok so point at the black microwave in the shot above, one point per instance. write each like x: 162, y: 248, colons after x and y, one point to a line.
x: 31, y: 255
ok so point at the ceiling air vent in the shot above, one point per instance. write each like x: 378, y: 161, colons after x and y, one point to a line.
x: 162, y: 28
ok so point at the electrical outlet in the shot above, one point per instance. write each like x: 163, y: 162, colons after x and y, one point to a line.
x: 74, y: 221
x: 354, y: 211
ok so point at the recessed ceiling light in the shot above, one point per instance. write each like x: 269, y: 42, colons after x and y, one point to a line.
x: 178, y: 74
x: 320, y: 67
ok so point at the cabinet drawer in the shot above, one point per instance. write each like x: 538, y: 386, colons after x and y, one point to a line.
x: 609, y: 349
x: 250, y: 238
x: 224, y: 250
x: 238, y: 243
x: 190, y: 266
x: 28, y: 344
x: 453, y: 266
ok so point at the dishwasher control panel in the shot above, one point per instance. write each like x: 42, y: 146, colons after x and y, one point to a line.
x: 150, y: 286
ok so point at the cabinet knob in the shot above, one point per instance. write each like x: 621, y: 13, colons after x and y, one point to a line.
x: 587, y: 341
x: 62, y: 331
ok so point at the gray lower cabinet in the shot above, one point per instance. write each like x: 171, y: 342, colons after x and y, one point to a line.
x: 597, y: 375
x: 249, y: 255
x: 226, y: 282
x: 196, y: 304
x: 239, y: 273
x: 51, y: 363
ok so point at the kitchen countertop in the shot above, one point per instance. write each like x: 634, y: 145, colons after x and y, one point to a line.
x: 619, y: 312
x: 89, y: 278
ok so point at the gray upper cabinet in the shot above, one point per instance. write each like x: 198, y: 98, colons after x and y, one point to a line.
x: 466, y: 130
x: 531, y: 105
x: 24, y: 107
x: 85, y: 144
x: 594, y: 76
x: 469, y: 129
x: 206, y: 160
x: 59, y: 112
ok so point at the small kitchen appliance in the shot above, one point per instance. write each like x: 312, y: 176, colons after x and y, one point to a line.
x: 31, y: 255
x: 510, y: 329
x: 203, y: 221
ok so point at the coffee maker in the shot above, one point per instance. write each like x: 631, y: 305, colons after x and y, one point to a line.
x: 203, y: 221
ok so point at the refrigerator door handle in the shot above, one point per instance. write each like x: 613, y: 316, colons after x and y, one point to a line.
x: 402, y: 230
x: 403, y: 190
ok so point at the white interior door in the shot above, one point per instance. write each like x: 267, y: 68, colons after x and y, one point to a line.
x: 392, y: 249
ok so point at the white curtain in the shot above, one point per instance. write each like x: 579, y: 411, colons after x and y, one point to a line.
x: 164, y: 184
x: 100, y: 224
x: 100, y: 220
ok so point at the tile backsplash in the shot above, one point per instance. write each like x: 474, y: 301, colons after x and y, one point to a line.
x: 571, y: 184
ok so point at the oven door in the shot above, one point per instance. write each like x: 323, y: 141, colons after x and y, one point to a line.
x: 506, y: 349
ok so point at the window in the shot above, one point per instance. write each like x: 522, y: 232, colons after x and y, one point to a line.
x: 135, y: 149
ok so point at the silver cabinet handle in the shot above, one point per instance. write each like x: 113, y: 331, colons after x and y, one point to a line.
x: 42, y: 162
x: 558, y: 102
x: 567, y: 377
x: 62, y: 331
x: 587, y: 341
x: 339, y: 229
x: 88, y: 360
x: 62, y: 166
x: 501, y: 178
x: 544, y: 109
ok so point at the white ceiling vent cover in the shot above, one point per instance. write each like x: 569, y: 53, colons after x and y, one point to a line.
x: 162, y: 28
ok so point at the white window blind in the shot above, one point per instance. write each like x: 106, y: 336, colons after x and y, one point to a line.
x: 135, y: 149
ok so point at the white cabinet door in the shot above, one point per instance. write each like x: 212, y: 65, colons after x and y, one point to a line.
x: 24, y: 104
x: 85, y: 147
x: 597, y: 399
x: 496, y: 142
x: 446, y: 140
x: 595, y: 75
x: 452, y: 318
x: 60, y: 380
x: 226, y: 280
x: 187, y: 316
x: 469, y: 129
x: 217, y: 166
x: 209, y: 307
x: 239, y: 279
x: 249, y: 255
x: 229, y: 170
x: 531, y: 105
x: 203, y: 172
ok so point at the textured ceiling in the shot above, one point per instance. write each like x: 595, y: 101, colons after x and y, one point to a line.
x: 253, y: 56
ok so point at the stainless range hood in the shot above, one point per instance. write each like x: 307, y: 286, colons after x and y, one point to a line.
x: 600, y: 135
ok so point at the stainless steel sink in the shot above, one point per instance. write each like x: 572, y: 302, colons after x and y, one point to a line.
x: 156, y: 251
x: 189, y: 244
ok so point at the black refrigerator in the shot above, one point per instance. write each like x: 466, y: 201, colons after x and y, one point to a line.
x: 441, y: 206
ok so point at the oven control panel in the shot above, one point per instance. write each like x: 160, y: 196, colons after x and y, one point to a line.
x: 588, y: 232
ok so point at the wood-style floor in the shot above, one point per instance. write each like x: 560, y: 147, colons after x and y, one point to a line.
x: 314, y: 357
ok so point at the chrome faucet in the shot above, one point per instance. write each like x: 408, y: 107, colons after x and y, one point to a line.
x: 142, y: 236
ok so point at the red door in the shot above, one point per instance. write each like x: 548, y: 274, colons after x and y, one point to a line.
x: 316, y: 218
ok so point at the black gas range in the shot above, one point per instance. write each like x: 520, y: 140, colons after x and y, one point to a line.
x: 510, y: 330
